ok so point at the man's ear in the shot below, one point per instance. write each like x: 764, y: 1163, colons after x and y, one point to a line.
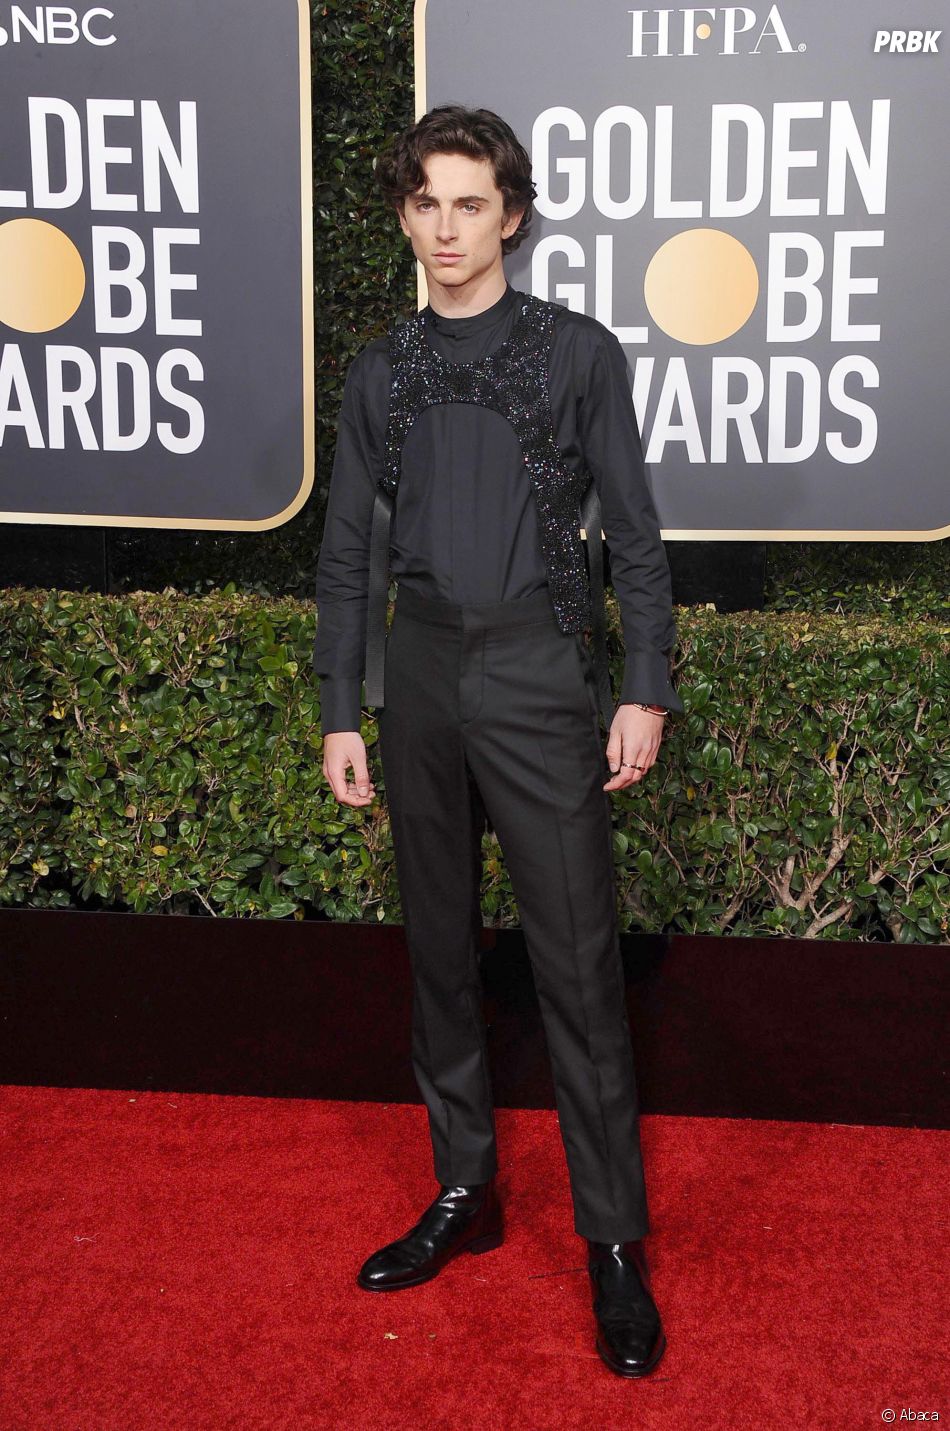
x: 511, y: 222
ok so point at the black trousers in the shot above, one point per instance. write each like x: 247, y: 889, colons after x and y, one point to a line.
x: 491, y: 713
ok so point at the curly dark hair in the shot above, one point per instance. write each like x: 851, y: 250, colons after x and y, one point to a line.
x: 455, y: 129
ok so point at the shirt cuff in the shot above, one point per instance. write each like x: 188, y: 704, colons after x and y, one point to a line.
x: 339, y: 704
x: 646, y: 678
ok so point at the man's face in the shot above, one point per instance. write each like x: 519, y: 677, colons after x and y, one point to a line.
x: 459, y: 211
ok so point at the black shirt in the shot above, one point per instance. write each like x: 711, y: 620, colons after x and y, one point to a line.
x: 465, y: 522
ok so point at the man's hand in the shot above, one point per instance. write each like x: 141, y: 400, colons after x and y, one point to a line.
x: 342, y: 750
x: 635, y: 737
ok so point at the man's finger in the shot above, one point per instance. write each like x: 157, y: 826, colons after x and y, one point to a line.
x: 637, y: 763
x: 336, y: 774
x: 361, y: 777
x: 358, y: 788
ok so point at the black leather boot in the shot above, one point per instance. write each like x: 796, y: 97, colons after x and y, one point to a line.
x: 461, y: 1219
x: 629, y: 1333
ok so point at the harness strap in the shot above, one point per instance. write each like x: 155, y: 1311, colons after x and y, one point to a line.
x: 591, y: 522
x: 378, y: 596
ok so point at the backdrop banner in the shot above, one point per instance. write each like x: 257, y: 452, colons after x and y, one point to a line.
x: 156, y: 290
x: 754, y: 200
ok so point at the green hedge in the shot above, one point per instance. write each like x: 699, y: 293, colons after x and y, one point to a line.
x: 164, y: 754
x: 889, y: 578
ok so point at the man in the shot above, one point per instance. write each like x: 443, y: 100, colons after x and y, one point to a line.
x: 493, y: 411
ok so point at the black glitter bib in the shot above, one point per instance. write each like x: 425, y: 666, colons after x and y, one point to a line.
x: 513, y: 380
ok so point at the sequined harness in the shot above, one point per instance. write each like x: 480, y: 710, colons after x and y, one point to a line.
x: 513, y: 381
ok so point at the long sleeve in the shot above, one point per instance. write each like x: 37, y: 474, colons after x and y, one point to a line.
x: 342, y: 580
x: 610, y: 437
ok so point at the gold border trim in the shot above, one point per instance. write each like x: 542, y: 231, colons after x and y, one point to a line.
x: 689, y: 534
x: 723, y: 534
x: 111, y: 519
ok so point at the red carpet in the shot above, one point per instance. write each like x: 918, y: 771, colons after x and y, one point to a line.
x: 186, y: 1263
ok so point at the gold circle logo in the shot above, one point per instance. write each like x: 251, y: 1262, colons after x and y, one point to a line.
x: 701, y: 286
x: 42, y: 278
